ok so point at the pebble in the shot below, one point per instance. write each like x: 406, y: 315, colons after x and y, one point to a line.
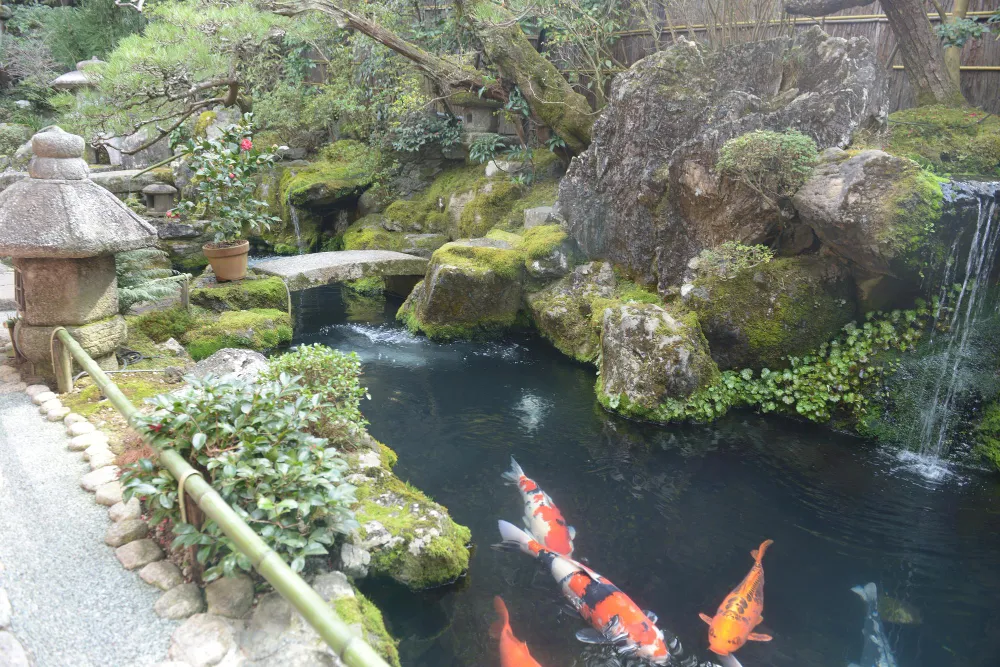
x: 73, y: 418
x: 57, y: 414
x: 99, y: 477
x: 43, y: 397
x: 83, y: 442
x: 180, y: 602
x: 52, y: 404
x: 36, y: 389
x: 110, y: 494
x: 80, y: 428
x: 122, y: 511
x: 202, y: 640
x: 163, y: 574
x: 12, y: 654
x: 97, y: 448
x: 136, y: 554
x: 101, y: 459
x: 123, y: 532
x: 231, y: 597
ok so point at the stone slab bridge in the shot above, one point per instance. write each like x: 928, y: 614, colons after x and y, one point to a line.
x: 401, y: 271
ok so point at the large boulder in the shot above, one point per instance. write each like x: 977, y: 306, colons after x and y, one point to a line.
x: 564, y: 312
x: 651, y: 360
x: 789, y: 306
x: 646, y: 194
x: 472, y: 289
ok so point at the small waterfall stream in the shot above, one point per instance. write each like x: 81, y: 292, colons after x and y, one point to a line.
x: 295, y: 225
x: 965, y: 294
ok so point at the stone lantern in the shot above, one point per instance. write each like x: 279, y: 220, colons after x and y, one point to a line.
x: 159, y: 198
x: 78, y: 78
x: 63, y: 231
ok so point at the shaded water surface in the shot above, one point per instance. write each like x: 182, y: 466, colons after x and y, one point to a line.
x: 669, y: 514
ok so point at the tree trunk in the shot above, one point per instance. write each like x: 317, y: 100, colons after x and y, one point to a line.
x: 919, y: 47
x: 551, y: 100
x: 953, y: 54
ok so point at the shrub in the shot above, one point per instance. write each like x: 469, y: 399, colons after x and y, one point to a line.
x: 416, y: 130
x: 332, y: 377
x: 728, y: 259
x: 252, y: 443
x: 774, y: 164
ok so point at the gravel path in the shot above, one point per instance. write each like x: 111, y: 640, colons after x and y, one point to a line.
x: 73, y: 603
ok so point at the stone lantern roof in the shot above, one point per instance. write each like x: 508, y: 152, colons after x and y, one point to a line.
x: 77, y: 78
x: 159, y: 189
x: 60, y: 213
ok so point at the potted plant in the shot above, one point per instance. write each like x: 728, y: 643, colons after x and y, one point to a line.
x: 224, y: 170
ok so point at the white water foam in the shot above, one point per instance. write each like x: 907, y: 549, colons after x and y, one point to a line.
x: 531, y: 411
x: 928, y: 467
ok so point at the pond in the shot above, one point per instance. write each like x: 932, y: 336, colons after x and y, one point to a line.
x: 669, y: 514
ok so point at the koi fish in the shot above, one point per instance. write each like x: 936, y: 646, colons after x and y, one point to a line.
x: 542, y: 519
x: 614, y: 617
x: 740, y: 613
x: 876, y: 652
x: 513, y: 652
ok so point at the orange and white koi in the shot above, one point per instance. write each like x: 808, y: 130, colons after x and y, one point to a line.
x: 615, y: 619
x: 513, y: 652
x: 542, y: 518
x: 740, y: 612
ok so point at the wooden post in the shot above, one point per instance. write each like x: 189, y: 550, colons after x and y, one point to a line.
x: 186, y: 294
x: 62, y: 364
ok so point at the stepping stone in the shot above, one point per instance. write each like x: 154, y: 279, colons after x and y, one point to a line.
x: 47, y: 406
x: 163, y: 574
x: 92, y: 480
x: 109, y: 494
x: 180, y: 602
x: 83, y: 442
x: 122, y: 511
x: 123, y: 532
x: 96, y: 448
x: 102, y: 459
x: 36, y: 389
x: 73, y: 418
x: 136, y: 554
x: 202, y: 640
x: 231, y: 597
x: 80, y: 428
x: 43, y: 397
x: 57, y: 414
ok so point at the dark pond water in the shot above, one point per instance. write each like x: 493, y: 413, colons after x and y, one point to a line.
x: 669, y: 514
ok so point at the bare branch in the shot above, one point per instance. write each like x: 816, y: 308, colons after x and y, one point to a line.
x: 137, y: 6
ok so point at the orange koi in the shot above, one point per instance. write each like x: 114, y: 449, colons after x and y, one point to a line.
x: 542, y: 518
x: 740, y: 612
x: 513, y: 652
x: 614, y: 617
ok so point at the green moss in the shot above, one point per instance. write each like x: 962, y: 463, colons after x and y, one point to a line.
x: 544, y: 193
x: 193, y: 264
x: 480, y: 259
x: 950, y: 140
x: 514, y: 240
x: 257, y: 329
x: 913, y: 211
x: 988, y: 435
x: 243, y: 295
x: 371, y: 286
x: 201, y: 125
x: 344, y: 170
x: 491, y: 206
x: 542, y: 241
x: 371, y: 238
x: 360, y: 611
x: 137, y: 388
x: 159, y: 325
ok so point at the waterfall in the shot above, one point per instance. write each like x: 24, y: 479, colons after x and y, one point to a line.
x: 295, y: 225
x: 965, y: 299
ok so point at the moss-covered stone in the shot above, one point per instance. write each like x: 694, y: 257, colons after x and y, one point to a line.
x: 412, y: 539
x: 159, y: 325
x: 204, y: 121
x: 366, y: 619
x: 493, y: 202
x: 242, y: 295
x: 788, y: 306
x: 257, y: 329
x: 961, y: 141
x: 364, y: 236
x: 988, y: 435
x: 344, y: 171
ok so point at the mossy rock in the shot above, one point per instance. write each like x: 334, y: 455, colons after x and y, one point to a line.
x: 412, y: 539
x: 156, y: 326
x: 472, y: 290
x: 365, y: 618
x: 363, y: 235
x: 343, y: 172
x: 246, y: 294
x: 988, y: 436
x: 256, y: 329
x: 788, y: 306
x: 959, y: 141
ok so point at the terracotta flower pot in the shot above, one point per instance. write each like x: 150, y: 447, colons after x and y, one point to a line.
x: 228, y: 262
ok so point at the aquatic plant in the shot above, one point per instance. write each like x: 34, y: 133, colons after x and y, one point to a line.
x: 253, y: 444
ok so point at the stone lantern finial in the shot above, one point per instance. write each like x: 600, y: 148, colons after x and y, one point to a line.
x: 63, y: 231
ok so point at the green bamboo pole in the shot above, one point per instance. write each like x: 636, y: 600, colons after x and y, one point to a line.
x: 314, y: 609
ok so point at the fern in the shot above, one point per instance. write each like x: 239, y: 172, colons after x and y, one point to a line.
x: 142, y: 278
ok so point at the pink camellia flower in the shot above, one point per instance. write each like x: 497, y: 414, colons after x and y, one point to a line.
x: 171, y: 214
x: 232, y: 175
x: 246, y: 144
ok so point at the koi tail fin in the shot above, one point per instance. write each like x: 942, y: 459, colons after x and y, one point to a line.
x: 503, y: 620
x: 515, y: 539
x: 868, y: 593
x: 758, y: 553
x: 513, y: 476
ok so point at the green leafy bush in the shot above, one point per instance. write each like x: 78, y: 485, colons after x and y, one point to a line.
x: 253, y: 445
x: 331, y: 376
x: 728, y: 259
x: 416, y: 130
x: 774, y: 164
